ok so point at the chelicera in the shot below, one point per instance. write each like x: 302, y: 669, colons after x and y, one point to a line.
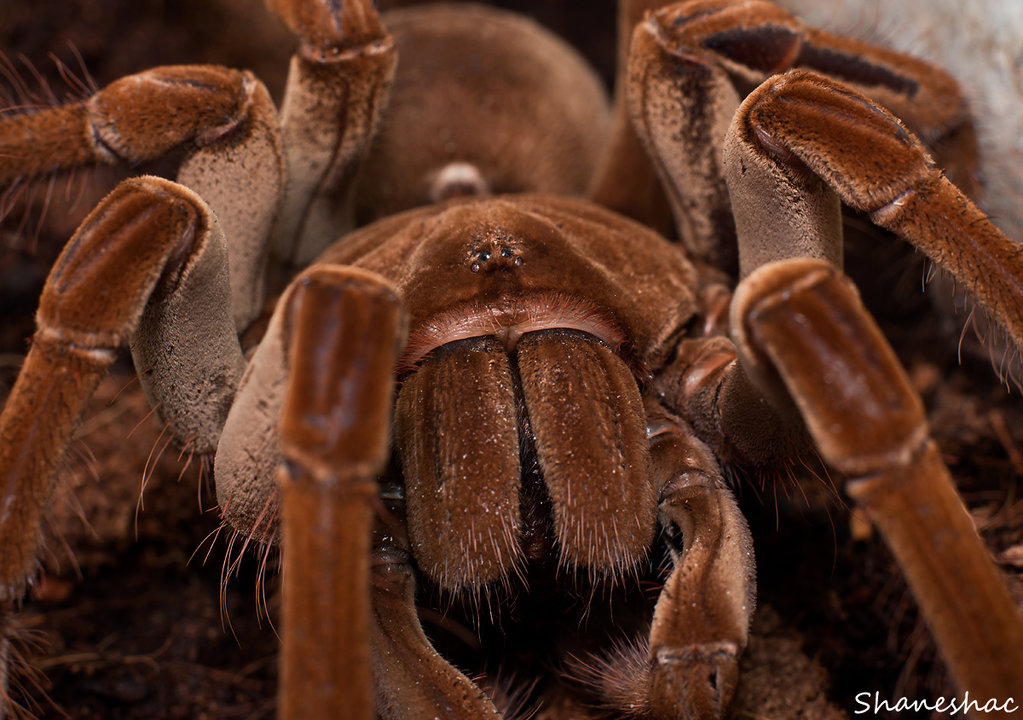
x: 566, y: 384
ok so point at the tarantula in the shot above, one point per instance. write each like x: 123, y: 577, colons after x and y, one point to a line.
x: 565, y: 386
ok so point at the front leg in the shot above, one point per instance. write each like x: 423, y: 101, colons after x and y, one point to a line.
x: 150, y: 250
x: 801, y: 323
x: 342, y: 330
x: 352, y: 643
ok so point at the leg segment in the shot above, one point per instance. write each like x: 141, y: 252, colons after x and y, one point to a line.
x: 707, y: 386
x: 413, y: 680
x: 343, y: 330
x: 147, y: 240
x: 626, y: 181
x: 337, y: 90
x: 801, y: 323
x: 701, y: 622
x: 702, y: 619
x: 800, y: 136
x: 692, y: 62
x: 149, y: 244
x: 225, y: 122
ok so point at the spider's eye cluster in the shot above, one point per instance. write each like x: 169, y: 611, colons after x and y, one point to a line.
x: 483, y: 256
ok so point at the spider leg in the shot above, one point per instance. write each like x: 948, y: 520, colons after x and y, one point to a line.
x: 802, y: 334
x: 701, y: 623
x: 801, y: 322
x: 713, y: 391
x: 149, y: 248
x: 420, y: 684
x: 625, y: 181
x: 342, y: 330
x: 691, y: 63
x: 223, y: 120
x: 337, y: 89
x: 782, y: 164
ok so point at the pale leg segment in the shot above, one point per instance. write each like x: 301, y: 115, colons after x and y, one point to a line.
x: 150, y: 244
x: 336, y: 94
x: 223, y: 120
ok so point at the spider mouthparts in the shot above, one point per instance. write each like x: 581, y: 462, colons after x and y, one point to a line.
x: 546, y: 445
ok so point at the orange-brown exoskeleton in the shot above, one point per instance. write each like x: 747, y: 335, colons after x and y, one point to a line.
x: 563, y: 387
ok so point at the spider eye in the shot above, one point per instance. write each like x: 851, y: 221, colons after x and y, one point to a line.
x: 484, y: 256
x: 507, y: 252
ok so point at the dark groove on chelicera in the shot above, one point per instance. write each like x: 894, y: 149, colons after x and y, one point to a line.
x: 536, y: 508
